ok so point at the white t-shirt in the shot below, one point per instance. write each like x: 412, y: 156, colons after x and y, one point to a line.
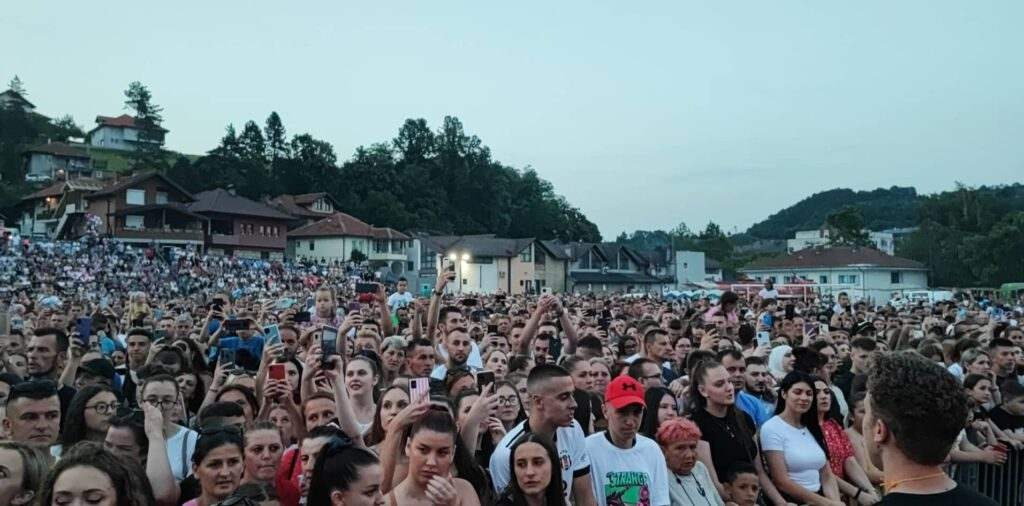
x: 572, y: 455
x: 473, y: 360
x: 768, y: 294
x: 804, y: 458
x: 181, y: 460
x: 397, y: 300
x: 636, y: 476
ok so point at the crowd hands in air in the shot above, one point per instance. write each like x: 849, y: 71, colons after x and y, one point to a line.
x: 134, y: 379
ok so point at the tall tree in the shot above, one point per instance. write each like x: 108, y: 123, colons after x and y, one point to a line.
x: 148, y: 152
x: 65, y: 127
x: 415, y: 141
x: 846, y: 228
x: 251, y: 144
x: 276, y: 138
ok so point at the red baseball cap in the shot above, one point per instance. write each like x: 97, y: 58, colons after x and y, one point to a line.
x: 623, y: 391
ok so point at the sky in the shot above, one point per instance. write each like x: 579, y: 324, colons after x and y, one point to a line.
x: 642, y: 114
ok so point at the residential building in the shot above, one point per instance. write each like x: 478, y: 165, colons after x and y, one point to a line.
x: 47, y: 213
x: 864, y: 273
x: 48, y: 161
x: 883, y: 241
x: 306, y: 208
x: 713, y: 270
x: 11, y: 98
x: 119, y: 132
x: 335, y: 237
x: 484, y: 264
x: 148, y: 208
x: 695, y: 268
x: 612, y: 267
x: 242, y: 227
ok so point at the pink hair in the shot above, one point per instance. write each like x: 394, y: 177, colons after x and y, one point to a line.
x: 677, y: 429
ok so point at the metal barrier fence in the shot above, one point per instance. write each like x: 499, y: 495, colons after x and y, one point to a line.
x: 1004, y: 484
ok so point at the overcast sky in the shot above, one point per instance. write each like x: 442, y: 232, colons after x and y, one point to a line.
x: 643, y: 114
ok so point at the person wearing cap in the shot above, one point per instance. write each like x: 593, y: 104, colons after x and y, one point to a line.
x: 98, y: 371
x: 627, y: 467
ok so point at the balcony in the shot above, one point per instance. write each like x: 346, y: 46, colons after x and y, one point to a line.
x: 250, y: 241
x: 158, y: 234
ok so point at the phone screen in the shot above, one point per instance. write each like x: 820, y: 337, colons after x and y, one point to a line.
x: 329, y: 344
x: 226, y: 357
x: 273, y: 334
x: 277, y: 371
x: 419, y: 389
x: 764, y: 338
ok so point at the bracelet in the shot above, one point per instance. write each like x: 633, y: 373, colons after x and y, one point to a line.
x: 439, y: 292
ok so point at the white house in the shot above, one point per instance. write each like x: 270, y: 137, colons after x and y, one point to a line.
x: 883, y: 241
x: 693, y: 267
x: 119, y: 132
x: 864, y: 273
x: 334, y: 238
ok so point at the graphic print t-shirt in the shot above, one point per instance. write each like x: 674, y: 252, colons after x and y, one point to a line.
x: 627, y: 477
x: 570, y: 445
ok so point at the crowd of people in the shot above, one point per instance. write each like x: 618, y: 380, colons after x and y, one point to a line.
x: 134, y: 378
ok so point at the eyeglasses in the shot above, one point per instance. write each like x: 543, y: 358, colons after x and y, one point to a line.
x: 104, y: 409
x: 163, y: 404
x: 507, y: 401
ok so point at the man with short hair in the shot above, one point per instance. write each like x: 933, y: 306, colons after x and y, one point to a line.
x: 861, y: 350
x: 137, y: 345
x: 627, y: 468
x: 33, y: 413
x: 420, y: 358
x: 46, y: 352
x: 458, y: 344
x: 1003, y: 360
x: 658, y: 348
x: 755, y: 383
x: 647, y: 372
x: 913, y: 413
x: 736, y: 366
x: 552, y: 407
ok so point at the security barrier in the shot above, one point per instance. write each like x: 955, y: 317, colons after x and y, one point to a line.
x: 1003, y: 483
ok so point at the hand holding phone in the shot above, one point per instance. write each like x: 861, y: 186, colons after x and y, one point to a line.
x: 484, y: 378
x: 764, y: 338
x: 328, y: 346
x: 419, y: 389
x: 277, y: 372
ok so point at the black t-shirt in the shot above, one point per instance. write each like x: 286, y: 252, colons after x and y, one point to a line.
x: 588, y: 407
x: 959, y: 496
x: 1005, y: 420
x: 726, y: 439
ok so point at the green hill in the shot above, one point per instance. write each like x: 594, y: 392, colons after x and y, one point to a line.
x: 881, y: 208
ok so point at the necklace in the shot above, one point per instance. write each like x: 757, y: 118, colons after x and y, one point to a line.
x: 889, y: 485
x: 700, y: 489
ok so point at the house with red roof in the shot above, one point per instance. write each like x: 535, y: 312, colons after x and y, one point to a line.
x: 335, y: 237
x: 119, y: 132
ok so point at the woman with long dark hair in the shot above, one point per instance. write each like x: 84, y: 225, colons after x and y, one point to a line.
x: 661, y: 407
x: 795, y: 448
x: 853, y: 482
x: 536, y: 474
x: 88, y: 416
x: 218, y: 464
x: 89, y: 473
x: 392, y: 401
x: 345, y: 474
x: 430, y: 448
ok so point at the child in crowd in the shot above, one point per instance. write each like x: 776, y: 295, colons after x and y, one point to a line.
x: 741, y: 484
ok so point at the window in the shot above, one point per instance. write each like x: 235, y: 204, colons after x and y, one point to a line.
x: 895, y: 278
x: 787, y: 279
x: 161, y: 197
x: 135, y: 197
x: 133, y: 221
x: 312, y: 245
x: 526, y: 255
x: 847, y: 279
x: 585, y: 261
x: 771, y: 278
x: 823, y: 279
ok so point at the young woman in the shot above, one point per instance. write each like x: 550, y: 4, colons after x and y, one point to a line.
x: 193, y: 389
x: 690, y: 482
x: 510, y: 408
x: 161, y: 391
x: 88, y: 474
x: 282, y: 419
x: 853, y: 482
x: 243, y: 396
x: 979, y: 392
x: 795, y: 448
x: 25, y: 468
x: 496, y: 361
x: 263, y: 450
x: 345, y: 475
x: 661, y: 407
x: 853, y: 431
x: 88, y: 416
x: 361, y: 381
x: 536, y: 475
x: 217, y: 464
x: 728, y: 431
x: 394, y: 399
x: 430, y: 449
x: 780, y: 361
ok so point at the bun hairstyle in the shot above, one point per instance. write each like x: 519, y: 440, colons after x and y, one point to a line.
x: 338, y: 466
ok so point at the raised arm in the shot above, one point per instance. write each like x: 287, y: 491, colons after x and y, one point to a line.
x: 384, y: 316
x: 530, y: 330
x: 568, y: 327
x: 433, y: 312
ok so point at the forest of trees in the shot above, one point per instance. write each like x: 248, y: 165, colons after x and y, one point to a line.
x: 442, y: 181
x: 881, y: 208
